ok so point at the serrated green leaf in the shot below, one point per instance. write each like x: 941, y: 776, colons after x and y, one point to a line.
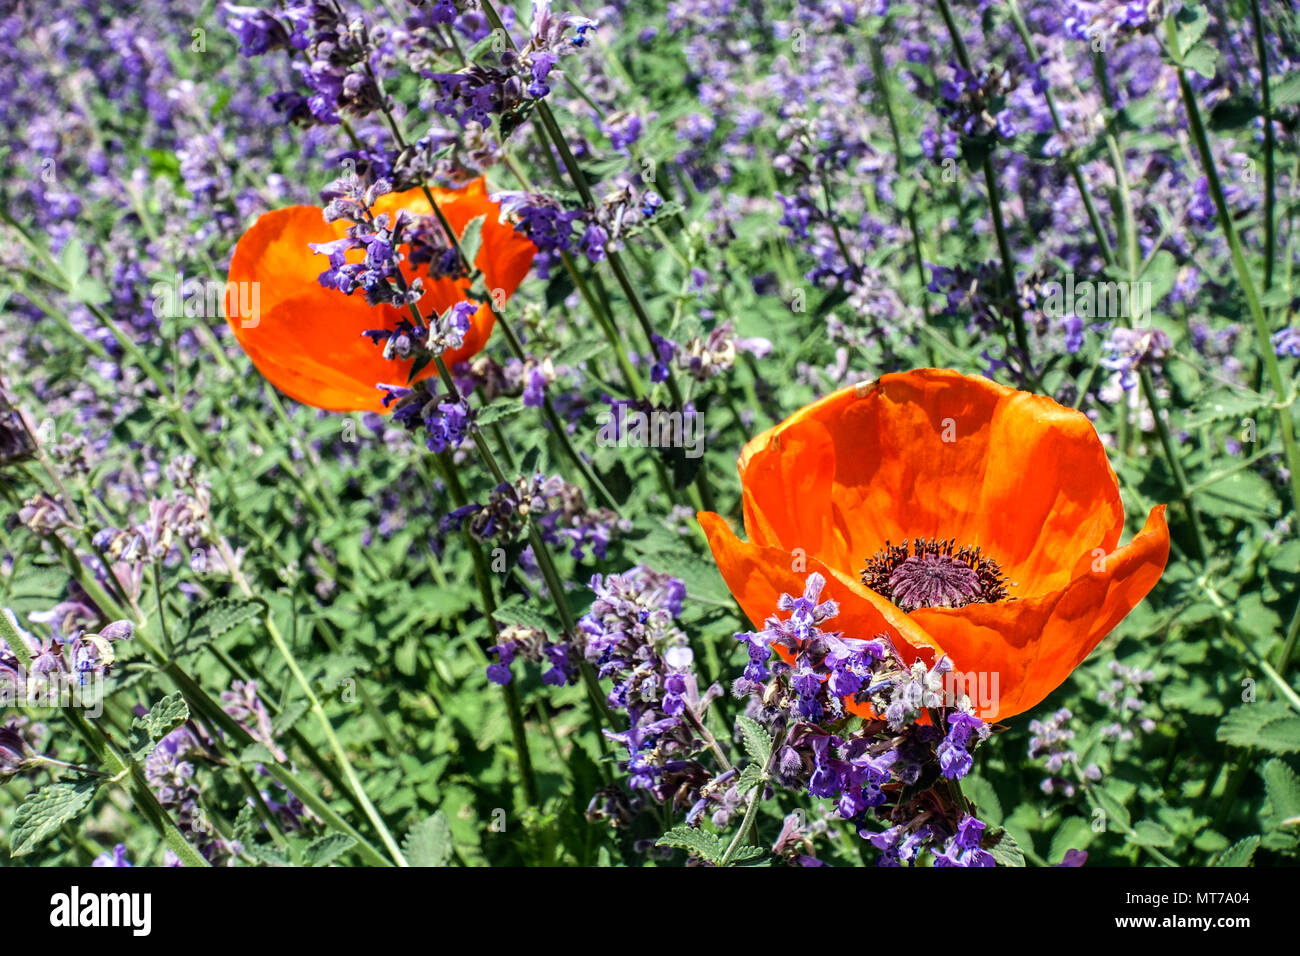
x: 73, y: 261
x: 89, y: 291
x: 517, y: 612
x: 1286, y: 92
x: 1191, y: 22
x: 1239, y: 854
x: 578, y: 352
x: 429, y: 842
x: 757, y: 741
x: 1006, y: 851
x: 1147, y: 833
x: 214, y: 617
x: 1268, y: 725
x: 266, y: 853
x: 45, y: 810
x: 748, y: 854
x: 1074, y: 833
x: 164, y: 717
x: 703, y: 844
x: 1112, y: 806
x: 286, y: 718
x: 1202, y: 59
x: 497, y: 412
x: 1282, y: 787
x: 325, y: 850
x: 749, y: 778
x: 985, y: 798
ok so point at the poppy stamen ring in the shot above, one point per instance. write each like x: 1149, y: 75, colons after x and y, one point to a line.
x: 928, y: 572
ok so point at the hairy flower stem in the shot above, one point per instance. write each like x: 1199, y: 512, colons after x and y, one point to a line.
x: 999, y: 225
x: 1071, y: 163
x: 544, y: 561
x: 1242, y: 268
x: 755, y: 798
x: 1270, y: 173
x: 345, y: 764
x: 118, y: 766
x: 482, y: 576
x: 613, y: 256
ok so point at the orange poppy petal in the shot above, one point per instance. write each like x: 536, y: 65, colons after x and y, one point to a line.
x: 933, y: 453
x: 1034, y: 644
x: 308, y: 340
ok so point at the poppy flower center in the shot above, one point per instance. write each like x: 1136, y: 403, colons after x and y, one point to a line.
x: 934, y: 573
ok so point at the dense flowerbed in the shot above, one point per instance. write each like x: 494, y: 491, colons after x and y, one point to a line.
x: 705, y: 432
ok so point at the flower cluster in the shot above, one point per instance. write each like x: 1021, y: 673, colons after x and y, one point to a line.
x: 1051, y: 744
x: 336, y: 66
x: 856, y: 725
x: 77, y: 655
x: 558, y: 509
x: 445, y: 420
x: 1124, y: 695
x: 169, y: 771
x: 506, y: 84
x: 561, y: 659
x: 630, y: 635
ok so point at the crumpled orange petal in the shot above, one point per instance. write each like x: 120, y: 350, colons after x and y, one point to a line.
x: 933, y: 453
x: 307, y: 340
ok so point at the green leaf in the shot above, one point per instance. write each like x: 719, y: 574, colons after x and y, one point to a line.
x: 516, y: 611
x: 286, y: 718
x: 1112, y: 806
x: 164, y: 717
x: 1191, y: 22
x: 985, y: 798
x: 45, y: 810
x: 89, y: 291
x: 1006, y: 851
x: 1287, y: 92
x: 579, y: 352
x: 1146, y: 833
x: 214, y: 617
x: 1239, y: 854
x: 1282, y: 787
x: 748, y: 855
x: 266, y: 853
x: 498, y: 411
x: 325, y: 850
x: 749, y: 778
x: 757, y: 741
x: 1201, y: 58
x: 471, y: 239
x: 1266, y: 724
x: 429, y: 843
x: 1074, y: 833
x: 703, y: 844
x: 1223, y: 406
x: 73, y: 262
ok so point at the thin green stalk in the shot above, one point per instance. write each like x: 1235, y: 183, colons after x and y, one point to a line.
x: 1264, y: 339
x: 527, y: 775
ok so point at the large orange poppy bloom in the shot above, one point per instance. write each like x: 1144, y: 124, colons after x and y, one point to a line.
x: 938, y: 456
x: 308, y: 340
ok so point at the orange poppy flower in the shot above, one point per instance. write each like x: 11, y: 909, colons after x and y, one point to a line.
x: 962, y: 516
x: 308, y: 339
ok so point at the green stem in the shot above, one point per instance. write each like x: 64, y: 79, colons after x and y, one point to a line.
x: 1264, y: 340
